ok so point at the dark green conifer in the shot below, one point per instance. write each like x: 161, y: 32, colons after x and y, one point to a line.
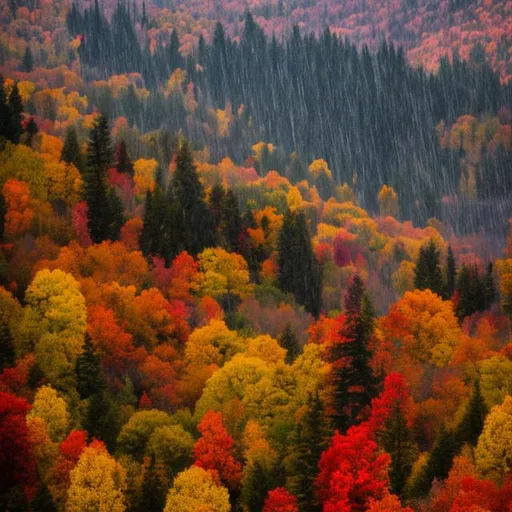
x: 230, y: 222
x: 28, y: 60
x: 123, y: 162
x: 451, y: 272
x: 88, y: 370
x: 7, y: 353
x: 428, y: 272
x: 15, y: 115
x: 472, y: 423
x: 288, y: 340
x: 71, y: 153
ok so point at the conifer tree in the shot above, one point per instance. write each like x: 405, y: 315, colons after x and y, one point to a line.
x: 88, y: 370
x: 15, y: 115
x: 489, y: 287
x: 397, y: 440
x: 354, y: 382
x: 288, y: 340
x: 258, y: 480
x: 123, y: 162
x: 7, y: 354
x: 311, y: 438
x: 230, y: 222
x: 451, y: 272
x: 472, y: 422
x: 299, y: 272
x: 215, y: 202
x: 155, y: 486
x: 28, y: 60
x: 5, y: 115
x: 71, y: 153
x: 428, y: 270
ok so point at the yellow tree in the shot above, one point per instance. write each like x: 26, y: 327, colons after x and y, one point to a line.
x: 145, y: 173
x: 49, y: 406
x: 505, y: 272
x: 388, y: 202
x: 493, y: 453
x: 97, y: 482
x: 195, y: 490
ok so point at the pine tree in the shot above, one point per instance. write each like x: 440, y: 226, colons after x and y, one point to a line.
x: 5, y: 115
x: 104, y: 212
x: 88, y: 370
x: 28, y: 60
x: 71, y: 153
x: 354, y: 382
x: 7, y: 354
x: 299, y: 272
x: 215, y: 202
x: 428, y: 270
x: 15, y: 115
x: 288, y: 340
x: 489, y: 287
x: 230, y: 222
x: 472, y: 423
x: 312, y: 436
x: 451, y: 272
x: 123, y: 162
x: 155, y: 485
x: 397, y: 440
x: 192, y: 220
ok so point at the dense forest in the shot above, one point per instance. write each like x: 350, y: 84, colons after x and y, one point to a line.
x: 252, y: 260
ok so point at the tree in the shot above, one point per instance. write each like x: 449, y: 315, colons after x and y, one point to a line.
x: 49, y: 406
x: 472, y: 422
x: 428, y: 270
x: 88, y: 370
x: 28, y: 60
x: 124, y: 164
x: 71, y: 152
x: 299, y: 272
x: 311, y: 438
x: 288, y: 340
x: 196, y: 489
x: 354, y: 382
x: 15, y: 106
x: 280, y: 500
x: 213, y: 450
x: 97, y: 482
x: 451, y: 272
x: 104, y: 212
x: 193, y: 220
x: 352, y: 472
x: 494, y: 446
x: 17, y: 463
x: 230, y: 222
x: 388, y: 202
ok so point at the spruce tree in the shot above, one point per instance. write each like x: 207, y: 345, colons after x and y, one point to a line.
x: 311, y: 437
x: 71, y: 153
x: 28, y: 60
x: 7, y: 353
x: 451, y: 272
x: 15, y: 115
x: 428, y: 272
x: 88, y: 370
x: 192, y: 220
x: 230, y: 222
x: 354, y: 382
x: 123, y: 162
x: 472, y: 422
x: 155, y: 485
x: 288, y: 340
x: 299, y: 272
x: 215, y: 202
x: 397, y: 440
x: 5, y: 116
x: 258, y: 480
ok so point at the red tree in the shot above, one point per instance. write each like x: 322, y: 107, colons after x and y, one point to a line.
x: 213, y: 450
x: 352, y: 471
x: 280, y: 500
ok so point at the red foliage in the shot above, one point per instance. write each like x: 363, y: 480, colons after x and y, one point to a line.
x: 79, y: 218
x: 213, y: 450
x: 145, y: 402
x: 280, y: 500
x: 17, y: 463
x: 352, y: 471
x: 13, y: 380
x: 74, y: 445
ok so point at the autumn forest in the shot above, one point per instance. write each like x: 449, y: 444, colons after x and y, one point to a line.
x: 255, y: 256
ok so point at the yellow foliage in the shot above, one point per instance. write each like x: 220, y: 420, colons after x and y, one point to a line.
x: 319, y: 167
x: 145, y: 172
x: 388, y: 202
x: 49, y: 406
x: 266, y: 348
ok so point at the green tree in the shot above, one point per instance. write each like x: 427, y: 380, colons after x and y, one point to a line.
x: 230, y: 222
x: 88, y: 370
x: 124, y: 163
x: 299, y: 272
x: 354, y: 382
x: 15, y: 106
x: 472, y: 422
x: 428, y: 272
x: 451, y: 272
x: 289, y: 341
x: 71, y: 153
x: 28, y: 60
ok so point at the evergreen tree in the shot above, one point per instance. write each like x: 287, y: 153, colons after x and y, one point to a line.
x: 155, y: 486
x: 88, y: 371
x: 104, y: 212
x: 123, y: 162
x: 489, y: 287
x: 230, y: 222
x: 428, y: 270
x: 71, y: 153
x: 299, y: 272
x: 43, y: 501
x: 288, y: 340
x: 312, y: 436
x: 5, y: 115
x: 7, y: 353
x: 215, y: 202
x: 28, y: 60
x: 31, y: 129
x: 192, y: 220
x: 258, y: 480
x: 451, y: 272
x: 15, y: 115
x: 472, y: 423
x: 103, y: 420
x: 354, y: 382
x: 398, y: 441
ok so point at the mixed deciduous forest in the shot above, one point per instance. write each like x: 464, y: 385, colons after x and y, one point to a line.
x: 255, y: 256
